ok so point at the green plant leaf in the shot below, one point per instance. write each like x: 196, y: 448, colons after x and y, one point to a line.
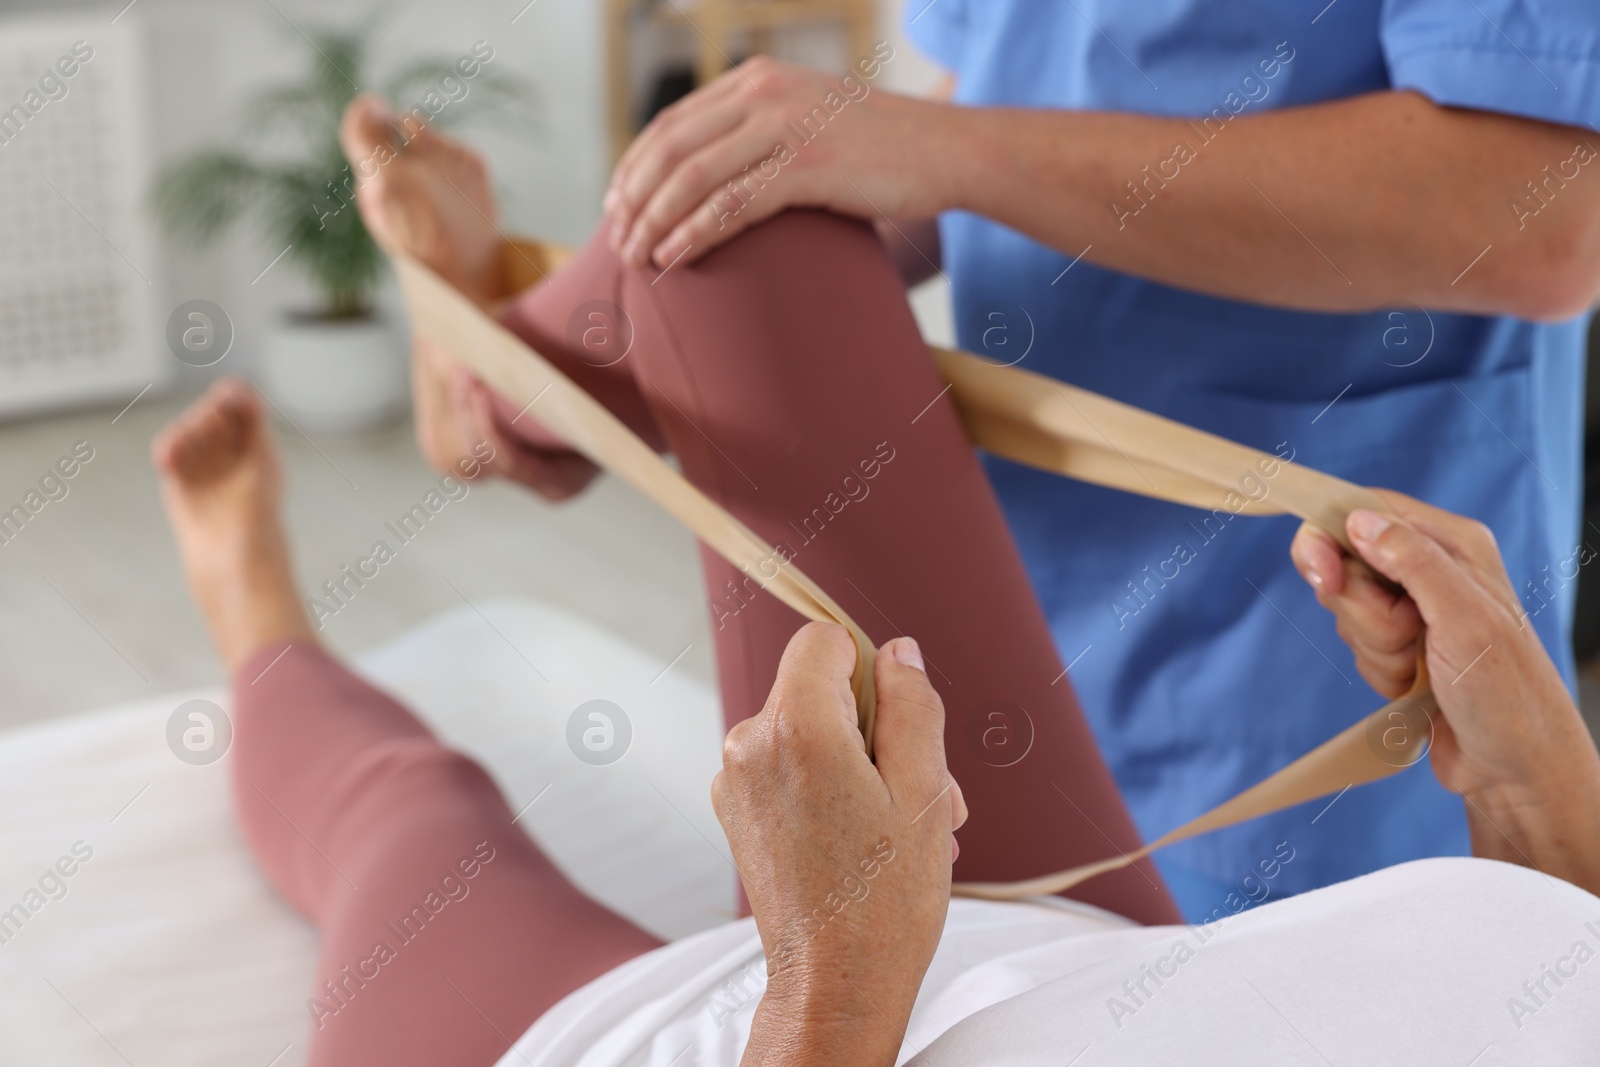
x: 303, y: 205
x: 199, y: 198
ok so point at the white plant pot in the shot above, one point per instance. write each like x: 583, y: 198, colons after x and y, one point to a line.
x: 335, y: 375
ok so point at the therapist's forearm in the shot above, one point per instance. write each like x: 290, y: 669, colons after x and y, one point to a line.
x: 1343, y: 206
x: 914, y: 246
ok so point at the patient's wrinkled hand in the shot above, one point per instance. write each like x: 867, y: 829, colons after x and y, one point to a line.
x: 1510, y: 739
x: 458, y: 422
x: 846, y: 862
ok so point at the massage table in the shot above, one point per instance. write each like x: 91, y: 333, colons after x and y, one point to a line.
x: 169, y: 947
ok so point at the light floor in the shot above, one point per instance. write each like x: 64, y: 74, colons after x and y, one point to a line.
x: 95, y: 610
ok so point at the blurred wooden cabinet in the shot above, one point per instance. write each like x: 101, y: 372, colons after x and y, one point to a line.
x: 718, y: 28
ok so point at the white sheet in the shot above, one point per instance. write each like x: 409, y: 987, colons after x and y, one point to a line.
x: 1417, y: 965
x: 169, y: 948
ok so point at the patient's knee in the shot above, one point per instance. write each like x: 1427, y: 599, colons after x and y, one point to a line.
x: 421, y: 771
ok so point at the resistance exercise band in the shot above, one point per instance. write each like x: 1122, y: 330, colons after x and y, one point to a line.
x: 1012, y: 413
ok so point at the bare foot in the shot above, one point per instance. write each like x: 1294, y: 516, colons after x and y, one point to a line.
x: 220, y: 481
x: 425, y: 195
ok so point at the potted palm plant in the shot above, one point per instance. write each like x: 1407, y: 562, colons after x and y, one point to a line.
x: 337, y: 366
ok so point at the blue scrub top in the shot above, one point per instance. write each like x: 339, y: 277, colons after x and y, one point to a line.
x: 1201, y: 658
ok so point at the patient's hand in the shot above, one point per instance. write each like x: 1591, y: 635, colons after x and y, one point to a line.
x: 846, y: 863
x: 460, y: 430
x: 1510, y: 740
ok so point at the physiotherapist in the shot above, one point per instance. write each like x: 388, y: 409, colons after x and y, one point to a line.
x: 1360, y: 234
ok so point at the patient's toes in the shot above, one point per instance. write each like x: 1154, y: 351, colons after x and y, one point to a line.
x: 218, y: 432
x: 366, y: 128
x: 220, y: 481
x: 425, y: 195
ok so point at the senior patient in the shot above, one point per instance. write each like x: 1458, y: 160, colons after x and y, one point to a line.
x: 787, y: 376
x: 855, y: 955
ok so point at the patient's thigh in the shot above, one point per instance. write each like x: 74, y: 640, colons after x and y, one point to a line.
x: 788, y: 375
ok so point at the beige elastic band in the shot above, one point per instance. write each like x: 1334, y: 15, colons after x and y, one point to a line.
x: 1013, y: 413
x: 440, y: 314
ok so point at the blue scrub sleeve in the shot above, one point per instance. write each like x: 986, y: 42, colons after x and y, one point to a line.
x: 1539, y: 59
x: 938, y: 28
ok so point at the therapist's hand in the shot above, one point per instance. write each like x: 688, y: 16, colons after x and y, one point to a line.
x: 1510, y: 739
x: 867, y: 153
x: 846, y: 862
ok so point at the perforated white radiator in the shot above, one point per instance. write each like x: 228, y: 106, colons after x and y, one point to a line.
x: 78, y: 272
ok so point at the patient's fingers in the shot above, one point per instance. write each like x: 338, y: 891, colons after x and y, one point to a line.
x: 909, y: 740
x: 804, y: 743
x: 553, y: 475
x: 909, y: 735
x: 813, y: 683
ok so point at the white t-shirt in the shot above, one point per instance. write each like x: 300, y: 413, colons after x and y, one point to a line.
x: 1454, y: 962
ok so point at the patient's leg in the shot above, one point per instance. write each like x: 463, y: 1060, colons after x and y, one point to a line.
x: 445, y: 932
x: 787, y: 374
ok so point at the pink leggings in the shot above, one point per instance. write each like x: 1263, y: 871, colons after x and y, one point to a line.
x: 788, y: 377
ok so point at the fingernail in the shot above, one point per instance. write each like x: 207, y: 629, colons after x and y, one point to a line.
x: 1313, y: 575
x: 611, y: 199
x: 634, y: 252
x: 955, y: 849
x: 1366, y: 526
x: 907, y: 653
x: 668, y: 251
